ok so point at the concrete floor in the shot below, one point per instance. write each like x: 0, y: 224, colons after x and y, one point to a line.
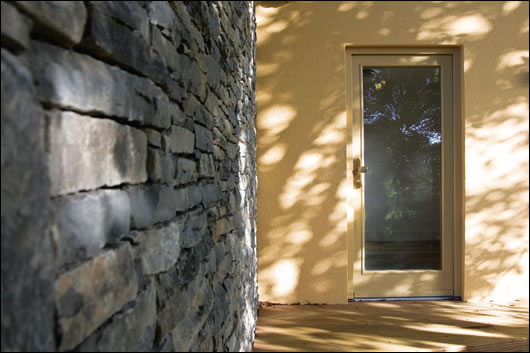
x: 393, y: 326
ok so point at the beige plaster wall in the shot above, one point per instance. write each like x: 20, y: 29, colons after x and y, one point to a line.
x: 302, y: 138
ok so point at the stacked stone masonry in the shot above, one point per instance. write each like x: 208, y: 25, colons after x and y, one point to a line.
x: 128, y: 176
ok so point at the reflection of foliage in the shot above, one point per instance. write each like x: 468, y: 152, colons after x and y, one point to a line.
x: 402, y: 124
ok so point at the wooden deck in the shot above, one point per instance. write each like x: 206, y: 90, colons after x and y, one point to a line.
x: 394, y: 326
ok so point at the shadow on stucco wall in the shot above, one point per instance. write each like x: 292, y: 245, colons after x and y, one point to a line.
x: 302, y: 138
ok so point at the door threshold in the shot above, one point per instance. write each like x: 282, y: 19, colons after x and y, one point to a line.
x: 383, y: 299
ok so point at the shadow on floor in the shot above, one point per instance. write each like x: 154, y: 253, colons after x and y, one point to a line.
x: 394, y: 326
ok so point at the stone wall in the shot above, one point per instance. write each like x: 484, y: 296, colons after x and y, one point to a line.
x: 128, y: 176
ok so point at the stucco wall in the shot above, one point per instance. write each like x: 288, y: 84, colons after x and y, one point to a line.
x: 128, y: 176
x: 302, y: 138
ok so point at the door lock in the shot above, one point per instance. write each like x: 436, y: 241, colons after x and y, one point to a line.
x: 357, y: 170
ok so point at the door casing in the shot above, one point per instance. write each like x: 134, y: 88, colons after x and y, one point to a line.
x: 454, y: 52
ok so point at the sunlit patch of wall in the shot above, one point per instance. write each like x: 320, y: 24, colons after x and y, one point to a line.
x: 302, y: 138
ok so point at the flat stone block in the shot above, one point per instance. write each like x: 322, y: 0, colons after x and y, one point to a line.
x: 87, y: 153
x: 27, y: 254
x: 82, y: 83
x: 151, y: 204
x: 188, y: 197
x: 158, y: 248
x: 109, y: 39
x: 206, y: 166
x: 192, y: 226
x: 90, y: 294
x: 87, y: 222
x: 203, y: 139
x: 16, y: 27
x: 181, y: 140
x: 186, y: 171
x: 130, y: 13
x: 63, y: 21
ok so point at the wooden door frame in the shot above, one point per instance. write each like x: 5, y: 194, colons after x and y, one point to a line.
x: 456, y: 53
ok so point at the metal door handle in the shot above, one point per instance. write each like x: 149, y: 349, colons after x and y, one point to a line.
x: 357, y: 170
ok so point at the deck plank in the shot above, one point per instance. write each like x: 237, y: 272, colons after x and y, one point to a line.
x: 394, y: 326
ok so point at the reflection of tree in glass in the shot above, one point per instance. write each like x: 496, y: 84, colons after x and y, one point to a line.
x: 402, y: 130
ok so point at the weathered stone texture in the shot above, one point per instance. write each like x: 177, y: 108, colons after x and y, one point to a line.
x: 86, y: 223
x: 91, y: 293
x: 151, y: 204
x: 186, y: 171
x: 188, y: 197
x: 110, y: 40
x: 129, y: 13
x: 16, y: 27
x: 86, y: 153
x: 27, y: 255
x: 132, y: 330
x: 159, y: 248
x: 128, y: 176
x: 63, y: 21
x: 81, y: 83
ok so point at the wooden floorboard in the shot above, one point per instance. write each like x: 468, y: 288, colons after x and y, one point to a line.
x: 394, y: 326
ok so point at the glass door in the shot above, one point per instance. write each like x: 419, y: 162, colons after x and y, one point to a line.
x: 403, y: 172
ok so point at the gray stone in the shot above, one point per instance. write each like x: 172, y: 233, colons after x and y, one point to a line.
x: 62, y: 21
x: 158, y: 248
x: 205, y: 291
x: 173, y: 312
x: 204, y: 342
x: 210, y: 195
x: 151, y: 204
x: 162, y: 15
x: 189, y: 327
x: 190, y: 35
x: 132, y: 330
x: 165, y: 49
x: 181, y: 140
x: 153, y: 137
x: 110, y: 40
x: 212, y: 104
x: 218, y: 153
x: 166, y: 345
x: 186, y: 171
x: 222, y: 227
x: 154, y: 166
x: 88, y: 222
x: 178, y: 118
x: 232, y: 201
x: 87, y: 153
x: 219, y: 138
x: 206, y: 166
x: 188, y: 197
x: 27, y: 272
x: 174, y: 90
x: 232, y: 150
x: 192, y: 78
x: 165, y: 142
x: 166, y: 283
x: 129, y: 13
x: 168, y: 165
x: 213, y: 72
x: 233, y: 344
x: 196, y: 111
x: 99, y: 288
x: 16, y: 28
x: 81, y: 83
x: 203, y: 139
x: 193, y: 226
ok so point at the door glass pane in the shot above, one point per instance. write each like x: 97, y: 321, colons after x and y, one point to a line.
x: 402, y: 150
